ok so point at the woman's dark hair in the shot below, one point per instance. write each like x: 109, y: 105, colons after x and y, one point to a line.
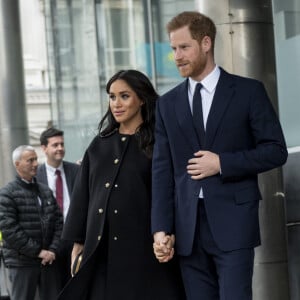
x: 144, y: 89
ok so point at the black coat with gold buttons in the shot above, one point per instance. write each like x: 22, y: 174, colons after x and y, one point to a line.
x: 110, y: 215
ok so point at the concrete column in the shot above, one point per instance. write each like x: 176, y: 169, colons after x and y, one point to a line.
x: 13, y: 118
x: 245, y: 46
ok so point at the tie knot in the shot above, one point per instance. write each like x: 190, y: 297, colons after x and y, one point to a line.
x: 198, y: 87
x: 57, y: 172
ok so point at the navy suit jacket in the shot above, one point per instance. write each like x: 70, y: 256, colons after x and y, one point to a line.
x: 243, y: 129
x: 70, y: 170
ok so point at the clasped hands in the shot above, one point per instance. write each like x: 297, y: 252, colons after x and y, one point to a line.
x: 163, y: 246
x: 47, y: 257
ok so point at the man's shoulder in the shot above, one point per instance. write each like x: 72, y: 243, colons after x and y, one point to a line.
x: 182, y: 86
x: 11, y: 190
x: 238, y: 79
x: 70, y: 166
x: 10, y: 186
x: 179, y: 90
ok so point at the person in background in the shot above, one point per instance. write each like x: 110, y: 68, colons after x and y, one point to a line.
x: 215, y: 132
x: 31, y: 226
x: 53, y: 146
x: 60, y: 176
x: 109, y: 216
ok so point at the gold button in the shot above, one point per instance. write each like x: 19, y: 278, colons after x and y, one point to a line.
x: 115, y: 238
x: 115, y: 211
x: 116, y: 161
x: 99, y: 237
x: 123, y: 139
x: 107, y: 184
x: 100, y: 210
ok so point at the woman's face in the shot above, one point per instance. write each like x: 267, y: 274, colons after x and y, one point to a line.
x: 125, y: 106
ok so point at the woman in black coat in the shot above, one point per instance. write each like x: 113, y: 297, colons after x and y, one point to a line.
x: 109, y: 216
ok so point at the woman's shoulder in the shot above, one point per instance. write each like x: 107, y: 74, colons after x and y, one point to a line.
x: 100, y: 141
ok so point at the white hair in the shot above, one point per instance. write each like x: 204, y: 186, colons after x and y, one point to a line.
x: 17, y: 153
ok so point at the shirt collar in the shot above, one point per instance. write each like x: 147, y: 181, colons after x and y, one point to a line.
x: 209, y: 82
x: 26, y: 181
x: 52, y: 170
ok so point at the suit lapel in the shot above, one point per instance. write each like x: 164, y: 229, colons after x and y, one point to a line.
x: 184, y: 115
x: 67, y: 176
x: 223, y: 96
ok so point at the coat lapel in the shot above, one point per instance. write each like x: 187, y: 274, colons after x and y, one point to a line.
x: 223, y: 96
x: 184, y: 115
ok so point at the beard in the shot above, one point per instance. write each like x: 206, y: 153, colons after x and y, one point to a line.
x: 192, y: 69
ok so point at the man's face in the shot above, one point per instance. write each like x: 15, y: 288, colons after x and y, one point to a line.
x: 26, y: 166
x: 190, y: 56
x: 55, y: 150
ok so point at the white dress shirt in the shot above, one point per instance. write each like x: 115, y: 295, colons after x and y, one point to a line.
x: 209, y: 84
x: 51, y: 177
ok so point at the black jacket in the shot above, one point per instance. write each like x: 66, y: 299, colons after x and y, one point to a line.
x: 30, y: 221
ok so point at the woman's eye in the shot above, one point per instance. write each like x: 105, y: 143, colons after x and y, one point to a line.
x: 125, y: 96
x: 112, y: 97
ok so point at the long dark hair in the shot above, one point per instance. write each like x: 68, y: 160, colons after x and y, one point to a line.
x: 144, y: 89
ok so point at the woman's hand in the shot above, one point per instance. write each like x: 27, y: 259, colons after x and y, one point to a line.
x: 163, y: 246
x: 77, y: 248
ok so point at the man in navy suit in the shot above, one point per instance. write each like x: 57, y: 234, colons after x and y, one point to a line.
x: 205, y: 165
x: 52, y: 143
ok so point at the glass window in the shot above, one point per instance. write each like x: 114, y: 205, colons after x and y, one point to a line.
x: 132, y: 34
x: 88, y: 41
x: 287, y: 44
x: 73, y: 64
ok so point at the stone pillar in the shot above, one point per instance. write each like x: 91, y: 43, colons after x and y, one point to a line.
x: 13, y: 118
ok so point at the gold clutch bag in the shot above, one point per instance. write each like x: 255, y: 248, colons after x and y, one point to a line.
x: 76, y: 264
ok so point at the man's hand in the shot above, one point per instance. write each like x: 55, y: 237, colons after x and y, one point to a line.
x: 163, y: 246
x: 47, y: 257
x: 204, y: 164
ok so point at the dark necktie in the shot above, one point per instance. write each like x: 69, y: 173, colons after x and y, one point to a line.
x: 59, y: 190
x: 198, y: 114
